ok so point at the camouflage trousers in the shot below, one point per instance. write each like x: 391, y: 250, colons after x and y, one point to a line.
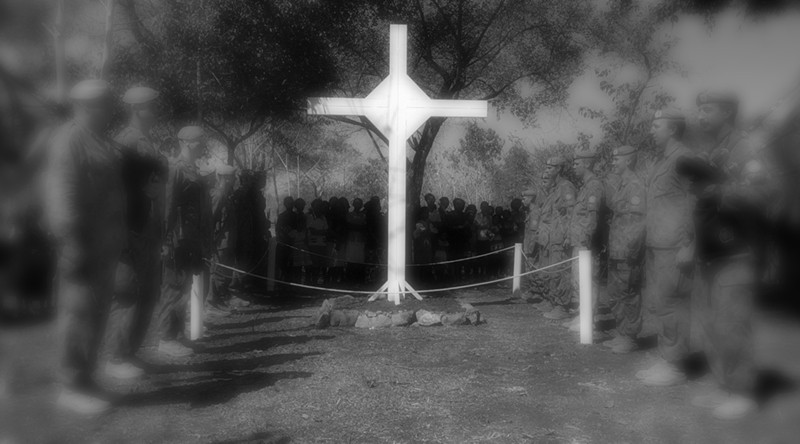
x: 726, y: 304
x: 559, y: 278
x: 667, y: 293
x: 625, y: 295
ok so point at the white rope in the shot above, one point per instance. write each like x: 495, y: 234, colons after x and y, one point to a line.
x: 434, y: 290
x: 407, y: 265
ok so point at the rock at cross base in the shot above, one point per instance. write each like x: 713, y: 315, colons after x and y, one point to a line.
x: 323, y: 317
x: 370, y: 319
x: 426, y: 318
x: 454, y: 319
x: 344, y: 318
x: 402, y: 318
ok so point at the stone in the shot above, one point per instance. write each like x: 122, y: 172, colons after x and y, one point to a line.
x: 450, y: 319
x: 473, y: 316
x: 344, y: 318
x: 369, y: 319
x: 402, y: 318
x: 426, y: 318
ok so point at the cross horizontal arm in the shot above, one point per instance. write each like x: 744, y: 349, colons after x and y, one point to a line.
x: 452, y: 108
x: 334, y: 106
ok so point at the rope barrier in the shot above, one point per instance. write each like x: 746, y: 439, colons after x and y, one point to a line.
x: 407, y: 265
x: 433, y: 290
x: 530, y: 264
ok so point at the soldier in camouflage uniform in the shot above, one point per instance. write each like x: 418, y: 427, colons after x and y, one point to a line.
x: 668, y: 256
x: 187, y: 238
x: 626, y: 250
x: 556, y: 217
x: 584, y: 221
x: 144, y: 171
x: 86, y: 214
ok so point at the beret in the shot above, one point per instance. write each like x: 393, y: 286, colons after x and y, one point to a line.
x: 529, y: 192
x: 90, y: 90
x: 669, y: 113
x: 139, y: 95
x: 623, y: 151
x: 587, y: 153
x: 226, y: 170
x: 191, y: 133
x: 717, y: 96
x: 555, y: 161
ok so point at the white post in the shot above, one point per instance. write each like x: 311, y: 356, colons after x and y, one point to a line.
x: 517, y: 269
x: 273, y: 245
x: 196, y: 308
x: 585, y: 284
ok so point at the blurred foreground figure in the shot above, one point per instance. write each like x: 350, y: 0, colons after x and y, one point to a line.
x: 730, y: 229
x: 186, y: 238
x: 86, y: 206
x: 139, y: 273
x: 668, y: 250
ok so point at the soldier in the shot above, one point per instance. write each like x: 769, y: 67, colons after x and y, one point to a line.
x: 540, y: 281
x: 86, y: 213
x: 584, y: 222
x: 730, y: 226
x: 187, y: 228
x: 283, y: 229
x: 224, y: 222
x: 144, y: 172
x: 626, y: 249
x: 668, y: 253
x: 558, y: 217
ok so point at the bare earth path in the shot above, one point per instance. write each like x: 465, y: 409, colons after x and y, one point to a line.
x: 264, y: 375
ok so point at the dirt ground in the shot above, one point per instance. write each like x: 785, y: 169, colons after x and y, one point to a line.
x: 263, y: 375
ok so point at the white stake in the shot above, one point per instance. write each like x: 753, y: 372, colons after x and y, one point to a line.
x: 585, y: 284
x: 517, y: 269
x: 196, y: 307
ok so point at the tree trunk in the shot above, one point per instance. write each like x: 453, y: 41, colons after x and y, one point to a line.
x: 105, y: 65
x: 423, y: 148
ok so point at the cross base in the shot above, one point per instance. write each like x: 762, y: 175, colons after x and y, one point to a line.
x: 404, y: 287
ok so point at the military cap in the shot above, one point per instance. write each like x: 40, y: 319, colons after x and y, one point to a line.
x: 139, y: 95
x: 530, y: 192
x: 723, y: 96
x: 226, y: 170
x: 586, y: 153
x: 90, y: 90
x: 555, y: 161
x: 624, y: 150
x: 670, y: 113
x: 191, y: 133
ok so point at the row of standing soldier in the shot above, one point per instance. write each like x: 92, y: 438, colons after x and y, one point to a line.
x: 133, y: 224
x: 684, y: 244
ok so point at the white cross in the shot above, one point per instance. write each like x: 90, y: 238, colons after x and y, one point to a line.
x: 397, y: 107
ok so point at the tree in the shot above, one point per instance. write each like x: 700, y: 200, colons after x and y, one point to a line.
x: 519, y: 53
x: 234, y: 66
